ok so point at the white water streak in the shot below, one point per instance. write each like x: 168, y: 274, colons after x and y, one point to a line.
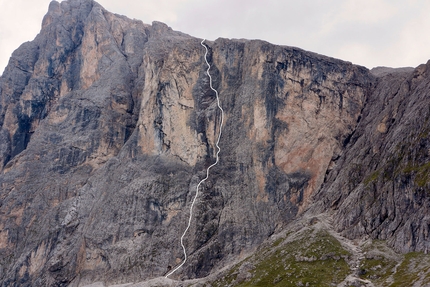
x: 207, y: 170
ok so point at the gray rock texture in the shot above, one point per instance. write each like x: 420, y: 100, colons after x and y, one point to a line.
x: 108, y: 124
x: 383, y: 71
x: 380, y: 185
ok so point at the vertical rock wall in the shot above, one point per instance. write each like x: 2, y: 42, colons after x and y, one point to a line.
x: 108, y: 124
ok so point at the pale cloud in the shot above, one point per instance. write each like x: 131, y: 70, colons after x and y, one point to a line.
x: 160, y: 10
x: 362, y: 52
x: 414, y: 38
x: 367, y: 32
x: 368, y: 11
x: 358, y: 14
x: 379, y: 32
x: 20, y: 21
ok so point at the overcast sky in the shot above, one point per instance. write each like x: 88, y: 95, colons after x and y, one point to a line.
x: 371, y: 33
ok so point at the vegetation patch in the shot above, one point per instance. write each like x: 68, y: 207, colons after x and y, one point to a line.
x: 414, y: 268
x: 384, y: 267
x: 312, y: 259
x: 315, y: 258
x: 379, y: 263
x: 377, y: 269
x: 373, y: 177
x: 421, y: 173
x: 228, y: 278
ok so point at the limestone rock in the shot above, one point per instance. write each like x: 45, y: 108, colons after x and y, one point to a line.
x: 380, y: 185
x: 108, y: 124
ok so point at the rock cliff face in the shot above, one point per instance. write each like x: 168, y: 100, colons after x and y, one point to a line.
x: 107, y: 125
x: 380, y: 185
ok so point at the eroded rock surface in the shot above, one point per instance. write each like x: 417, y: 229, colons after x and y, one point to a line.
x: 380, y: 185
x: 107, y: 125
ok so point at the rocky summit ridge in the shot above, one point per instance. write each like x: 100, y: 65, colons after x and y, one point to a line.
x: 107, y: 125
